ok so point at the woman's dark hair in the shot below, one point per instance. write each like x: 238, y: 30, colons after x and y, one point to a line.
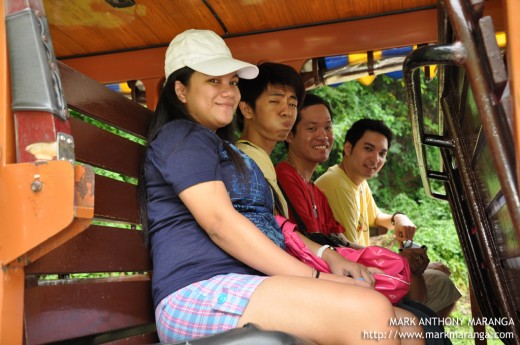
x: 359, y: 128
x: 170, y: 108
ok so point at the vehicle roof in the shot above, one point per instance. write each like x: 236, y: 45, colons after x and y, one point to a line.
x: 91, y: 34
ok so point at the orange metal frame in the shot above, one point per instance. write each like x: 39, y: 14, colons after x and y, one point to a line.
x: 40, y: 207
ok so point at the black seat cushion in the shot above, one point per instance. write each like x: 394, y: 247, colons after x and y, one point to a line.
x: 250, y: 334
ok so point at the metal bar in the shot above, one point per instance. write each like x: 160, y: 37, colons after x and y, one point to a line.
x: 437, y: 175
x: 511, y: 10
x: 438, y: 141
x: 412, y: 80
x: 479, y: 214
x: 468, y: 239
x: 421, y: 57
x: 490, y: 117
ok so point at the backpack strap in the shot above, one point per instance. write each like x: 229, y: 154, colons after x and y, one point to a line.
x: 301, y: 225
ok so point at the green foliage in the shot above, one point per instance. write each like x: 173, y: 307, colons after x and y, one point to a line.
x: 113, y: 130
x: 107, y: 127
x: 436, y: 230
x: 97, y: 275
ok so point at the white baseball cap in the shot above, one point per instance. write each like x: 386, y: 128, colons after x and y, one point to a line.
x: 206, y: 52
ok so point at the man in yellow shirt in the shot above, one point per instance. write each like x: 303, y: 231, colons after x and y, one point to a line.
x: 345, y: 185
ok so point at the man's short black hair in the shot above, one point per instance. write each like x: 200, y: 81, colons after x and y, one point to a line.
x: 310, y: 99
x: 359, y: 128
x: 270, y: 73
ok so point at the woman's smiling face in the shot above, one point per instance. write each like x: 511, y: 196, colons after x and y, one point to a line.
x: 211, y: 101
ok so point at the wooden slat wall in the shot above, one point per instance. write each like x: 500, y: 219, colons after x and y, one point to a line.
x: 115, y: 200
x: 68, y: 309
x: 97, y: 147
x: 100, y: 249
x: 91, y: 98
x: 73, y: 308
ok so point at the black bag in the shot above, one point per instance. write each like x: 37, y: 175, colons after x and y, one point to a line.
x: 332, y: 239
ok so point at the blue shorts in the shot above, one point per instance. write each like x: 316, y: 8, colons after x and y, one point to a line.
x: 205, y: 308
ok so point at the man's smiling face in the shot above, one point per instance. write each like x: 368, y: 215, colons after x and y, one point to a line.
x: 367, y: 157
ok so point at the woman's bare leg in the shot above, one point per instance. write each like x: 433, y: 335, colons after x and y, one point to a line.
x: 323, y: 311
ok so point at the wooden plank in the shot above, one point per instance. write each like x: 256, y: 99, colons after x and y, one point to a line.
x: 94, y: 26
x: 91, y: 98
x: 100, y: 148
x: 71, y: 309
x: 73, y: 35
x: 97, y: 249
x: 115, y: 200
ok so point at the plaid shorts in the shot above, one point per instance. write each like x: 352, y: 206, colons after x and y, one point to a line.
x: 205, y: 308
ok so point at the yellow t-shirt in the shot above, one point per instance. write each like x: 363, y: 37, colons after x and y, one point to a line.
x: 265, y: 164
x: 353, y: 206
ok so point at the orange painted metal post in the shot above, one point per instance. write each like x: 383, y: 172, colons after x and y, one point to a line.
x: 7, y: 152
x: 153, y: 87
x: 40, y: 201
x: 44, y: 202
x: 43, y: 205
x: 511, y: 11
x: 11, y: 276
x: 11, y: 304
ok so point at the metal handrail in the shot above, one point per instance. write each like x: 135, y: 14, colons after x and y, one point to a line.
x: 421, y: 57
x: 499, y: 138
x: 473, y: 33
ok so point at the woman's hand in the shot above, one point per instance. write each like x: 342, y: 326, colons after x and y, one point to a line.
x: 375, y: 270
x: 344, y: 280
x: 340, y: 266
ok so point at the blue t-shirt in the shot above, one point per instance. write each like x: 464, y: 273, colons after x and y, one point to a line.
x: 182, y: 155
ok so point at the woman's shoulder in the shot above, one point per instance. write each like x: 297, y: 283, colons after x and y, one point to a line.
x: 184, y: 130
x: 182, y: 126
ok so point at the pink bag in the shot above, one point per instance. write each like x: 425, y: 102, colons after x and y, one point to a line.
x: 394, y: 284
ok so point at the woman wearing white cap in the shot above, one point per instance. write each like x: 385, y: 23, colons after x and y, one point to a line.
x: 218, y: 254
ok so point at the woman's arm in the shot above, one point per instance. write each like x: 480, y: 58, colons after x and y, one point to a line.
x: 235, y: 234
x: 338, y: 264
